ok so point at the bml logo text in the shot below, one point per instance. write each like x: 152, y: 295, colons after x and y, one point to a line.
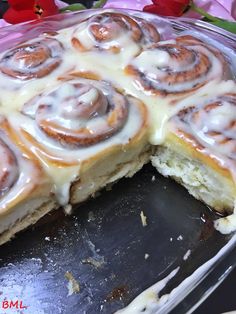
x: 10, y: 304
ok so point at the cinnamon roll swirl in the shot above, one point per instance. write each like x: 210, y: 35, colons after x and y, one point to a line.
x: 34, y: 59
x: 67, y: 133
x: 177, y: 67
x: 90, y: 132
x: 211, y: 125
x: 200, y: 149
x: 23, y: 185
x: 112, y: 32
x: 78, y: 113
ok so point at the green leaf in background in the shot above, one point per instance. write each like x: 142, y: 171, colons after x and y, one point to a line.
x: 99, y: 4
x: 73, y: 7
x: 229, y: 26
x: 79, y: 6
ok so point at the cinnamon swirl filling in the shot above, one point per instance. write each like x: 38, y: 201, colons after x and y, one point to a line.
x: 79, y: 113
x: 212, y: 124
x: 177, y: 67
x: 35, y: 59
x: 8, y: 168
x: 109, y: 31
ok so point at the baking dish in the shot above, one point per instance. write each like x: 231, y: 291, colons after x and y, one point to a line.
x: 128, y: 257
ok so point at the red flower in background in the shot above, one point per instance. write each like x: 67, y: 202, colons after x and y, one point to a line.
x: 25, y: 10
x: 167, y: 7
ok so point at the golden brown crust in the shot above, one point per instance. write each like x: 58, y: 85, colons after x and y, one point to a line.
x: 27, y: 221
x: 207, y: 133
x: 56, y: 134
x: 123, y: 102
x: 186, y: 144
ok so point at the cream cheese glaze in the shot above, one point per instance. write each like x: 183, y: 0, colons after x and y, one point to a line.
x: 149, y: 302
x: 9, y: 171
x: 112, y: 32
x: 52, y: 151
x: 211, y: 120
x: 21, y: 178
x: 168, y: 76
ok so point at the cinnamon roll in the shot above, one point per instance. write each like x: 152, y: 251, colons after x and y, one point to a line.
x: 23, y: 185
x: 78, y: 113
x: 202, y: 146
x: 71, y: 123
x: 211, y: 125
x: 34, y: 59
x: 89, y: 129
x: 112, y: 32
x: 177, y: 67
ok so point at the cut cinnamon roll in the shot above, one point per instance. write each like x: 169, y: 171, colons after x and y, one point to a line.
x: 200, y: 150
x: 113, y: 32
x: 24, y: 188
x: 34, y: 59
x: 177, y: 67
x: 212, y: 124
x: 95, y: 133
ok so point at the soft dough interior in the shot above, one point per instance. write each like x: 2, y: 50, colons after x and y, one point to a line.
x: 95, y: 176
x: 201, y: 181
x: 117, y: 165
x: 172, y: 159
x: 26, y: 214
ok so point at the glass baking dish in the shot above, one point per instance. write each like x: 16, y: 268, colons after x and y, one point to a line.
x: 104, y: 245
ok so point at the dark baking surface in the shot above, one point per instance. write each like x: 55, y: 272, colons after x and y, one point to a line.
x: 33, y: 266
x: 107, y: 230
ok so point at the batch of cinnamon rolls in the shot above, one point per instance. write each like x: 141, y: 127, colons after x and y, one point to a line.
x: 91, y: 103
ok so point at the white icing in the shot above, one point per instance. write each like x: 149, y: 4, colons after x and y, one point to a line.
x: 8, y: 168
x: 201, y: 122
x: 110, y: 66
x: 150, y: 301
x: 72, y: 158
x: 186, y: 255
x: 226, y: 225
x: 110, y: 30
x: 147, y: 301
x: 158, y: 66
x: 121, y: 41
x: 15, y: 94
x: 74, y: 108
x: 27, y: 177
x: 19, y: 59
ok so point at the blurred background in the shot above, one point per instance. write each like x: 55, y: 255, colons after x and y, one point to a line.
x: 4, y: 5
